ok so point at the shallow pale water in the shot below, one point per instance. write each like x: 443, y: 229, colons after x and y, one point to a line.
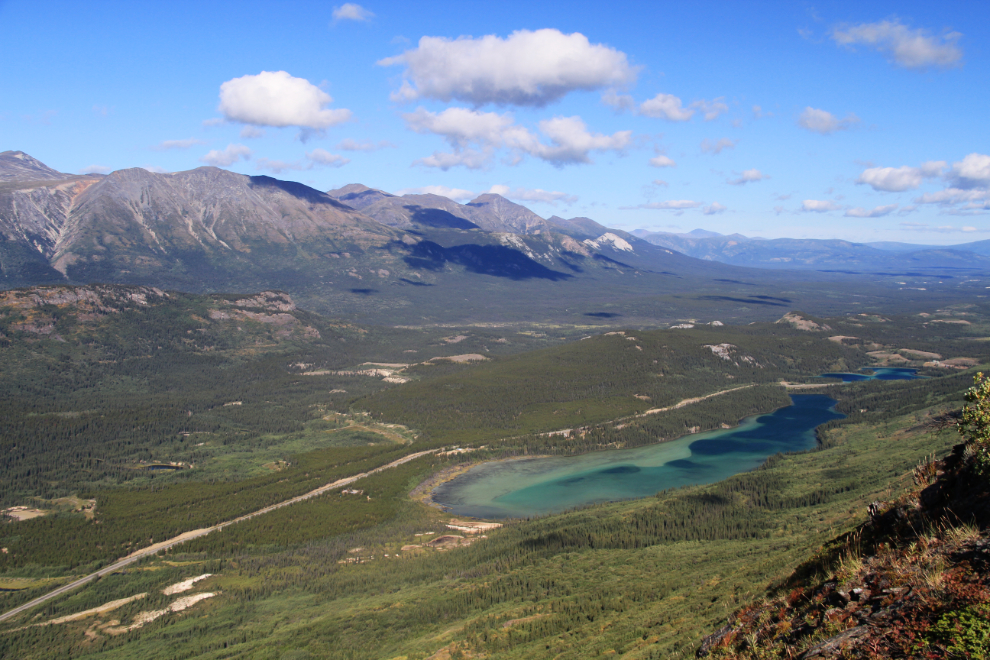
x: 503, y: 489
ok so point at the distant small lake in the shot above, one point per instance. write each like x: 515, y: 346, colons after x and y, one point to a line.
x: 885, y: 373
x: 526, y: 487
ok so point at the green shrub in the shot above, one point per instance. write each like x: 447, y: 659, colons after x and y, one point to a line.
x: 964, y: 633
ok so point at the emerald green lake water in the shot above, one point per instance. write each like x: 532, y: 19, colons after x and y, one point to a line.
x: 519, y: 488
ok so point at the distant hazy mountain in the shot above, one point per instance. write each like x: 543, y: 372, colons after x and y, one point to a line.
x: 894, y: 246
x: 979, y: 247
x: 820, y: 254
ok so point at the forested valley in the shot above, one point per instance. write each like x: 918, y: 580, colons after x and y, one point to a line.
x: 131, y: 415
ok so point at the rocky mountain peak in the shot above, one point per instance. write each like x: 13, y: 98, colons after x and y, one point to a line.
x: 580, y: 228
x: 515, y: 216
x: 358, y: 196
x: 19, y: 166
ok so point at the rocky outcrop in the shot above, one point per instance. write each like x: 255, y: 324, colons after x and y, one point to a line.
x: 912, y: 581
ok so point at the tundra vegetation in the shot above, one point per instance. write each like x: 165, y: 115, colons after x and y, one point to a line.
x: 174, y: 412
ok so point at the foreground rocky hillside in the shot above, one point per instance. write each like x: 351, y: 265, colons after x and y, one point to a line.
x: 913, y: 581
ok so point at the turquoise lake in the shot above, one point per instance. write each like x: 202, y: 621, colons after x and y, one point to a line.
x: 534, y: 486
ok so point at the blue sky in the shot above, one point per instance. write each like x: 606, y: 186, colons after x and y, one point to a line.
x: 861, y: 121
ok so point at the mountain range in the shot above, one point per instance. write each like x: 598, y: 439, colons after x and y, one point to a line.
x: 418, y: 258
x: 820, y: 254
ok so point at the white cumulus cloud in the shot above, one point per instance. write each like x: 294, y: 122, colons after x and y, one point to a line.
x: 713, y: 208
x: 228, y: 156
x: 671, y: 108
x: 899, y: 179
x: 275, y: 98
x: 351, y: 12
x: 877, y: 212
x: 748, y: 176
x: 469, y: 158
x: 968, y: 186
x: 711, y: 109
x: 533, y: 195
x: 461, y: 126
x: 818, y: 206
x: 621, y: 102
x: 475, y: 136
x: 973, y: 171
x: 666, y: 106
x: 571, y: 142
x: 662, y: 161
x: 96, y: 169
x: 527, y: 68
x: 824, y: 122
x: 951, y: 196
x: 323, y: 157
x: 909, y: 48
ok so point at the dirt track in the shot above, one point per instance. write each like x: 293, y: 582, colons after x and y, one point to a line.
x: 688, y: 402
x: 197, y: 533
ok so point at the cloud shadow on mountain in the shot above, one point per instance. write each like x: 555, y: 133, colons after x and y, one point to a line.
x: 298, y: 190
x: 438, y: 218
x: 494, y: 260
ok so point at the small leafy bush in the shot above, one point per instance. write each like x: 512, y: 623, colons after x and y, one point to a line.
x: 963, y: 633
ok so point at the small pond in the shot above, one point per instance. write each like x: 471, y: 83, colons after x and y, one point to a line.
x: 526, y: 487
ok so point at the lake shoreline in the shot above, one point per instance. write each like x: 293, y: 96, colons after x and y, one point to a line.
x: 425, y: 490
x: 598, y: 475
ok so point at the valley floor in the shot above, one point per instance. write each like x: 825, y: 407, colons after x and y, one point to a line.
x: 594, y: 582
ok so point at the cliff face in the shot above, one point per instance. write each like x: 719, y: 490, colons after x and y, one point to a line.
x: 911, y: 582
x: 35, y: 203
